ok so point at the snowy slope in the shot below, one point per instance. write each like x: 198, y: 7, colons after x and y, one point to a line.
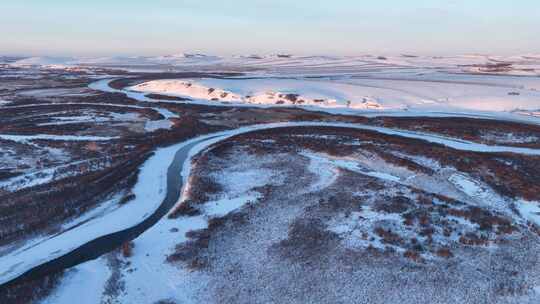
x: 357, y: 93
x: 267, y: 92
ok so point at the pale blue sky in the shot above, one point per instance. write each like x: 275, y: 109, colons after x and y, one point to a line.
x: 343, y: 27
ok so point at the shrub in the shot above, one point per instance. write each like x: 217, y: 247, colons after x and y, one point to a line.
x: 127, y: 198
x: 127, y: 249
x: 388, y: 236
x: 444, y: 253
x: 184, y: 209
x: 412, y: 255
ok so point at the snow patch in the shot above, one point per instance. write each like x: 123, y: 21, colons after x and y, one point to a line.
x: 469, y: 186
x: 153, y: 125
x: 4, y: 102
x: 326, y: 173
x: 529, y: 210
x: 86, y: 281
x: 324, y: 166
x: 222, y: 207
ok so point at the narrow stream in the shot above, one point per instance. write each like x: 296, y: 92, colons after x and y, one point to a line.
x: 107, y: 243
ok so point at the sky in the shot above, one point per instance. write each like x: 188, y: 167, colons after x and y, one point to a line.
x: 306, y: 27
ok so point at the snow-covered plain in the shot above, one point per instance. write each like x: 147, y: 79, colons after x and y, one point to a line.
x: 178, y: 283
x: 526, y: 64
x: 150, y: 191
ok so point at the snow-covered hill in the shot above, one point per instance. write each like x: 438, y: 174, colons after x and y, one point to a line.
x: 270, y: 92
x: 357, y: 93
